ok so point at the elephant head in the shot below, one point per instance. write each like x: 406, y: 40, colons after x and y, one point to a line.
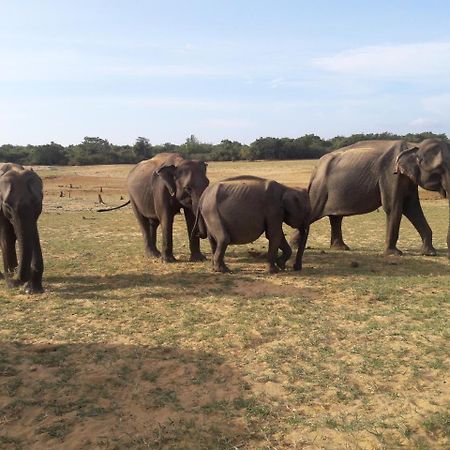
x: 297, y: 208
x: 427, y: 164
x: 186, y: 181
x: 21, y: 204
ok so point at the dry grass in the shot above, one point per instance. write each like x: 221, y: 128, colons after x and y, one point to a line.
x: 123, y: 352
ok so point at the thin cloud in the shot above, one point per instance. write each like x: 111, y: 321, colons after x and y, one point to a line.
x: 391, y: 61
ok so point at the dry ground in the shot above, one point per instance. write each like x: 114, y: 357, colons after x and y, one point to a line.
x: 122, y: 352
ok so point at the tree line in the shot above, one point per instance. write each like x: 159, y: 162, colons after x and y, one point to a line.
x: 95, y: 150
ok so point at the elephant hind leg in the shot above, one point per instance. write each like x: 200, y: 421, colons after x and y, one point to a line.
x: 148, y: 228
x: 337, y: 241
x: 219, y: 242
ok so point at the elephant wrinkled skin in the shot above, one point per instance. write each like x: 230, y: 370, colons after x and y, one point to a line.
x: 364, y: 176
x: 238, y: 210
x: 21, y: 204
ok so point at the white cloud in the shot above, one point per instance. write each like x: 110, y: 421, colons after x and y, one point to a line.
x: 391, y: 61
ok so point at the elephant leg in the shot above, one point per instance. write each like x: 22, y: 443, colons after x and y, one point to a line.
x: 167, y: 238
x: 34, y: 286
x: 337, y: 241
x: 8, y: 245
x: 148, y: 228
x: 393, y: 217
x: 213, y: 244
x: 219, y: 243
x: 194, y: 241
x: 413, y: 211
x: 286, y: 253
x: 301, y: 249
x: 274, y: 234
x: 151, y: 246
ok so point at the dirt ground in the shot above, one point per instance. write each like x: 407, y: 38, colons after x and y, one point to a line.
x: 123, y: 352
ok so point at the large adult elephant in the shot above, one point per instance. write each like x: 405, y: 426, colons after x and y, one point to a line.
x: 238, y: 210
x: 364, y: 176
x: 21, y: 204
x: 159, y: 188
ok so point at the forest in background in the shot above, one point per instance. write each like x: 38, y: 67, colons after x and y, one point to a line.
x: 95, y: 150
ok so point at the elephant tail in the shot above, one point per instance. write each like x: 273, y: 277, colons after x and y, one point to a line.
x: 112, y: 209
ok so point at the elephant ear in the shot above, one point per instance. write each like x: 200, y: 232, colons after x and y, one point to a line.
x: 406, y: 164
x: 431, y: 159
x: 167, y: 175
x: 34, y: 185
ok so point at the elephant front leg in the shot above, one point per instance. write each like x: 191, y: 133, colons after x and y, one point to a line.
x: 34, y: 286
x: 194, y: 241
x: 394, y: 217
x: 274, y: 234
x: 167, y: 238
x: 8, y: 246
x: 337, y: 240
x: 301, y: 249
x: 286, y: 253
x: 413, y: 211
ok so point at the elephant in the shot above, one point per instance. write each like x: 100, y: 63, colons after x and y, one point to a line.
x: 238, y: 210
x: 21, y: 205
x: 159, y: 188
x: 366, y: 175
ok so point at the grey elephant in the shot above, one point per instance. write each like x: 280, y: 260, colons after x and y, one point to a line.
x: 21, y: 204
x: 238, y: 210
x: 159, y: 188
x: 364, y: 176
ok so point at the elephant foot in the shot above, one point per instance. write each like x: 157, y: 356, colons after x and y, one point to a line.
x: 393, y: 252
x: 281, y: 263
x: 12, y: 283
x: 340, y: 246
x: 273, y: 269
x: 297, y: 267
x: 222, y: 268
x: 429, y: 251
x: 150, y: 253
x: 197, y: 257
x: 33, y: 288
x: 169, y: 258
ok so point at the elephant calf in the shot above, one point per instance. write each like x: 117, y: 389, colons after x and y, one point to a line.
x: 21, y: 204
x: 238, y: 210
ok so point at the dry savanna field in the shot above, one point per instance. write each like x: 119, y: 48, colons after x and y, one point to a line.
x: 123, y: 352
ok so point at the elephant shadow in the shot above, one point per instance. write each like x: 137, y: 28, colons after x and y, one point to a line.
x: 164, y: 286
x: 323, y: 263
x: 79, y: 395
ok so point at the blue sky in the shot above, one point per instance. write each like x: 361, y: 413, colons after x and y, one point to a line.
x: 221, y: 69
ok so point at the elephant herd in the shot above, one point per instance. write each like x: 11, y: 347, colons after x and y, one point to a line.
x: 352, y: 180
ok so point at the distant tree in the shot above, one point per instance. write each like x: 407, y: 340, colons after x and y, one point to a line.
x: 49, y: 154
x: 142, y: 149
x: 226, y: 151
